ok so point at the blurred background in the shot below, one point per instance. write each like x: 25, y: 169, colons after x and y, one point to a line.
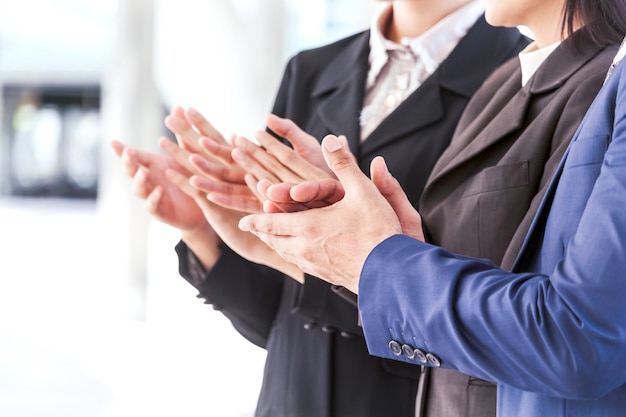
x: 94, y: 319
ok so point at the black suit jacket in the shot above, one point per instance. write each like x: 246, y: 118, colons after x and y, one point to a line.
x: 317, y: 361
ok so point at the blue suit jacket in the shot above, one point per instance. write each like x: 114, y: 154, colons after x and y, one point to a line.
x: 553, y: 335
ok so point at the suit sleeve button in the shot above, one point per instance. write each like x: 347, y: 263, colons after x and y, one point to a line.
x: 310, y: 325
x: 433, y: 360
x: 421, y: 356
x: 395, y: 348
x: 328, y: 329
x: 408, y: 351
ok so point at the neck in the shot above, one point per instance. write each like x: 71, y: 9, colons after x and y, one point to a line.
x: 547, y: 29
x: 413, y: 18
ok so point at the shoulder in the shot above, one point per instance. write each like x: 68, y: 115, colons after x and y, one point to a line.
x: 576, y: 63
x: 490, y: 44
x: 316, y: 57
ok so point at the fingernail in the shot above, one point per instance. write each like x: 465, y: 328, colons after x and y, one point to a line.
x: 243, y: 225
x: 332, y: 144
x: 385, y: 165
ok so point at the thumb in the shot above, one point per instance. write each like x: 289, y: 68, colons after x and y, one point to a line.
x: 342, y: 163
x: 390, y: 188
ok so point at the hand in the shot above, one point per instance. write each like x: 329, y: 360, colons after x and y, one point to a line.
x: 305, y: 179
x: 273, y: 161
x: 225, y: 221
x: 214, y: 170
x: 333, y: 242
x: 290, y: 197
x: 305, y: 159
x: 163, y: 200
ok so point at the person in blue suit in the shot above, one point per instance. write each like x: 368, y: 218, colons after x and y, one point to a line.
x: 551, y: 333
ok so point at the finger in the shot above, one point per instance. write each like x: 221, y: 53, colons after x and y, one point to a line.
x: 203, y: 126
x: 289, y: 158
x: 141, y: 186
x: 130, y: 157
x: 219, y: 152
x: 342, y: 163
x: 118, y: 147
x: 129, y: 165
x: 261, y: 188
x: 218, y: 172
x: 237, y: 203
x: 329, y: 191
x: 271, y: 207
x: 268, y: 224
x: 186, y: 136
x: 302, y: 224
x: 278, y: 193
x: 305, y: 145
x: 178, y: 154
x: 182, y: 183
x: 153, y: 200
x: 138, y: 156
x: 253, y: 184
x: 389, y: 187
x: 289, y: 130
x: 292, y: 207
x: 178, y: 111
x: 280, y: 201
x: 206, y: 185
x: 259, y: 162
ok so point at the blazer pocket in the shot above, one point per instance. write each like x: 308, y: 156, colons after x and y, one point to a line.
x: 498, y: 177
x: 587, y: 151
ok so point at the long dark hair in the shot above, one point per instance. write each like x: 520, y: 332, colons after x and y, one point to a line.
x: 604, y: 20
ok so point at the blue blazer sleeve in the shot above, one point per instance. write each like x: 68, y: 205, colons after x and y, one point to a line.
x: 560, y: 331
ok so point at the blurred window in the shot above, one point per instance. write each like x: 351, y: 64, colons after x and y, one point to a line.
x: 53, y: 54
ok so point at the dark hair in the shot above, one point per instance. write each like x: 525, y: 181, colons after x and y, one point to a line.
x: 605, y: 20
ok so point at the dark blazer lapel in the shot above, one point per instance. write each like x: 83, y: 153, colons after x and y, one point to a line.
x: 559, y: 66
x: 340, y: 91
x: 471, y: 142
x: 462, y: 73
x: 420, y: 109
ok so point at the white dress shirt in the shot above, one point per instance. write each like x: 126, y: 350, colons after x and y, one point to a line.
x: 396, y: 70
x: 532, y: 57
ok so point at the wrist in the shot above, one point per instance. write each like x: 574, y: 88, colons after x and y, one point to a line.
x: 204, y: 243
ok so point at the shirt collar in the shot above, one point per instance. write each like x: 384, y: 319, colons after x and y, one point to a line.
x: 621, y: 53
x: 618, y: 58
x: 532, y: 57
x: 432, y: 47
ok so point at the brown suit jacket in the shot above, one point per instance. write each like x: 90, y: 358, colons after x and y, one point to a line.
x: 483, y: 192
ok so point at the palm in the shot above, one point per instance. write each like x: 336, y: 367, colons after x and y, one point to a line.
x: 175, y: 207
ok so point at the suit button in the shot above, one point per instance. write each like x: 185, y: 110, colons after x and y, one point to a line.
x: 408, y: 351
x: 395, y: 348
x: 421, y: 356
x: 346, y: 335
x: 433, y: 360
x: 310, y: 325
x: 328, y: 329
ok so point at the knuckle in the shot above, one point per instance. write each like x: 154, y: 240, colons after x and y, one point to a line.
x: 342, y: 162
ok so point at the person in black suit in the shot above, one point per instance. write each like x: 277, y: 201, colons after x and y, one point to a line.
x: 317, y: 362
